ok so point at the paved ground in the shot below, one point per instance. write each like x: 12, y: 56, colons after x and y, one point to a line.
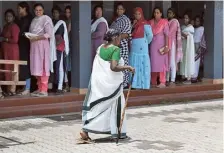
x: 183, y: 128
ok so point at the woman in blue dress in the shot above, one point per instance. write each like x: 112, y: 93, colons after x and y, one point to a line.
x: 139, y: 55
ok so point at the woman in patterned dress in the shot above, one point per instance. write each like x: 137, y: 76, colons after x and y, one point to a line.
x: 139, y: 55
x: 123, y: 24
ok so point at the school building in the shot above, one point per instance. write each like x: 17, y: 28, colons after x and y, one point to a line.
x: 81, y: 49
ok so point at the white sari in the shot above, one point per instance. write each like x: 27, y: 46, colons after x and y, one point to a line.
x: 105, y: 100
x: 187, y: 66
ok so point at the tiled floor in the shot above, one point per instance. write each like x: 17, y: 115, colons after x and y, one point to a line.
x: 182, y: 128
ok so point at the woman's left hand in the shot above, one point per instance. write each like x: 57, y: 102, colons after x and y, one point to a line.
x: 166, y: 50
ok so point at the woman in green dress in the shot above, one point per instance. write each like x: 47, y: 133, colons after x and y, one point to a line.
x: 104, y: 102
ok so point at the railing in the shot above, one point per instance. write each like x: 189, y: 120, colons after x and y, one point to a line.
x: 14, y: 72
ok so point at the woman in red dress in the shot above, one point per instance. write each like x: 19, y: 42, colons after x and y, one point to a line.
x: 10, y: 48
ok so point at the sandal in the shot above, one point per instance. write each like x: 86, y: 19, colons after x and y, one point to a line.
x: 1, y: 96
x: 23, y: 93
x: 41, y: 94
x: 188, y: 82
x: 5, y: 94
x: 11, y: 93
x: 161, y: 86
x: 59, y: 92
x: 35, y: 93
x: 66, y: 89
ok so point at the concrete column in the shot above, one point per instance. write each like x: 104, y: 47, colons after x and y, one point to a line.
x: 213, y: 63
x: 81, y: 45
x: 108, y: 10
x: 166, y: 6
x: 2, y: 16
x: 163, y: 4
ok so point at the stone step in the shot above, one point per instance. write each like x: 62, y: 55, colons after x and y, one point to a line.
x: 75, y: 106
x: 53, y: 99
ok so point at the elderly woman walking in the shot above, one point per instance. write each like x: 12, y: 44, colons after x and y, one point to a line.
x: 105, y: 100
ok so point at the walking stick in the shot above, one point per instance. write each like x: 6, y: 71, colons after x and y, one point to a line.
x: 125, y: 106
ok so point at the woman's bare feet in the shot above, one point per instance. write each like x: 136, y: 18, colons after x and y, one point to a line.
x: 161, y: 85
x: 1, y: 96
x: 84, y: 135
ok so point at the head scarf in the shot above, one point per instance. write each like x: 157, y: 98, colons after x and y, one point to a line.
x: 139, y: 26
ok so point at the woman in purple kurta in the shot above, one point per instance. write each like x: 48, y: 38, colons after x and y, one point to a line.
x: 40, y: 51
x: 159, y: 59
x: 99, y: 28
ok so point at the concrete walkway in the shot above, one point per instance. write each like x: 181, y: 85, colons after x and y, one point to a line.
x: 182, y: 128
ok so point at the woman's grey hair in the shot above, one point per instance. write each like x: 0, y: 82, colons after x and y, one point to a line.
x: 111, y: 33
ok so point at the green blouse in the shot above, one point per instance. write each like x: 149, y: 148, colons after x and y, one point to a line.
x: 110, y: 53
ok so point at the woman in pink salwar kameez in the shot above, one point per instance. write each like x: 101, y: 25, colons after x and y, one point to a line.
x: 175, y: 43
x: 159, y: 48
x: 40, y: 51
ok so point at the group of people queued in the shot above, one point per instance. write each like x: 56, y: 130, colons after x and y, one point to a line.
x: 158, y: 49
x: 42, y: 42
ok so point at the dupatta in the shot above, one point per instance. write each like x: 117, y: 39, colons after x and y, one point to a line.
x: 157, y: 28
x: 179, y: 52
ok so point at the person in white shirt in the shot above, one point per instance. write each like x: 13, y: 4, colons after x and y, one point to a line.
x: 198, y: 33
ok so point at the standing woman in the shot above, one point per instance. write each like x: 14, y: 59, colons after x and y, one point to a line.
x: 187, y: 66
x: 68, y: 57
x: 24, y: 22
x: 42, y: 55
x: 198, y: 34
x: 159, y: 48
x: 105, y: 100
x: 175, y: 54
x: 10, y: 45
x: 123, y: 24
x: 62, y: 48
x: 139, y: 55
x: 99, y: 28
